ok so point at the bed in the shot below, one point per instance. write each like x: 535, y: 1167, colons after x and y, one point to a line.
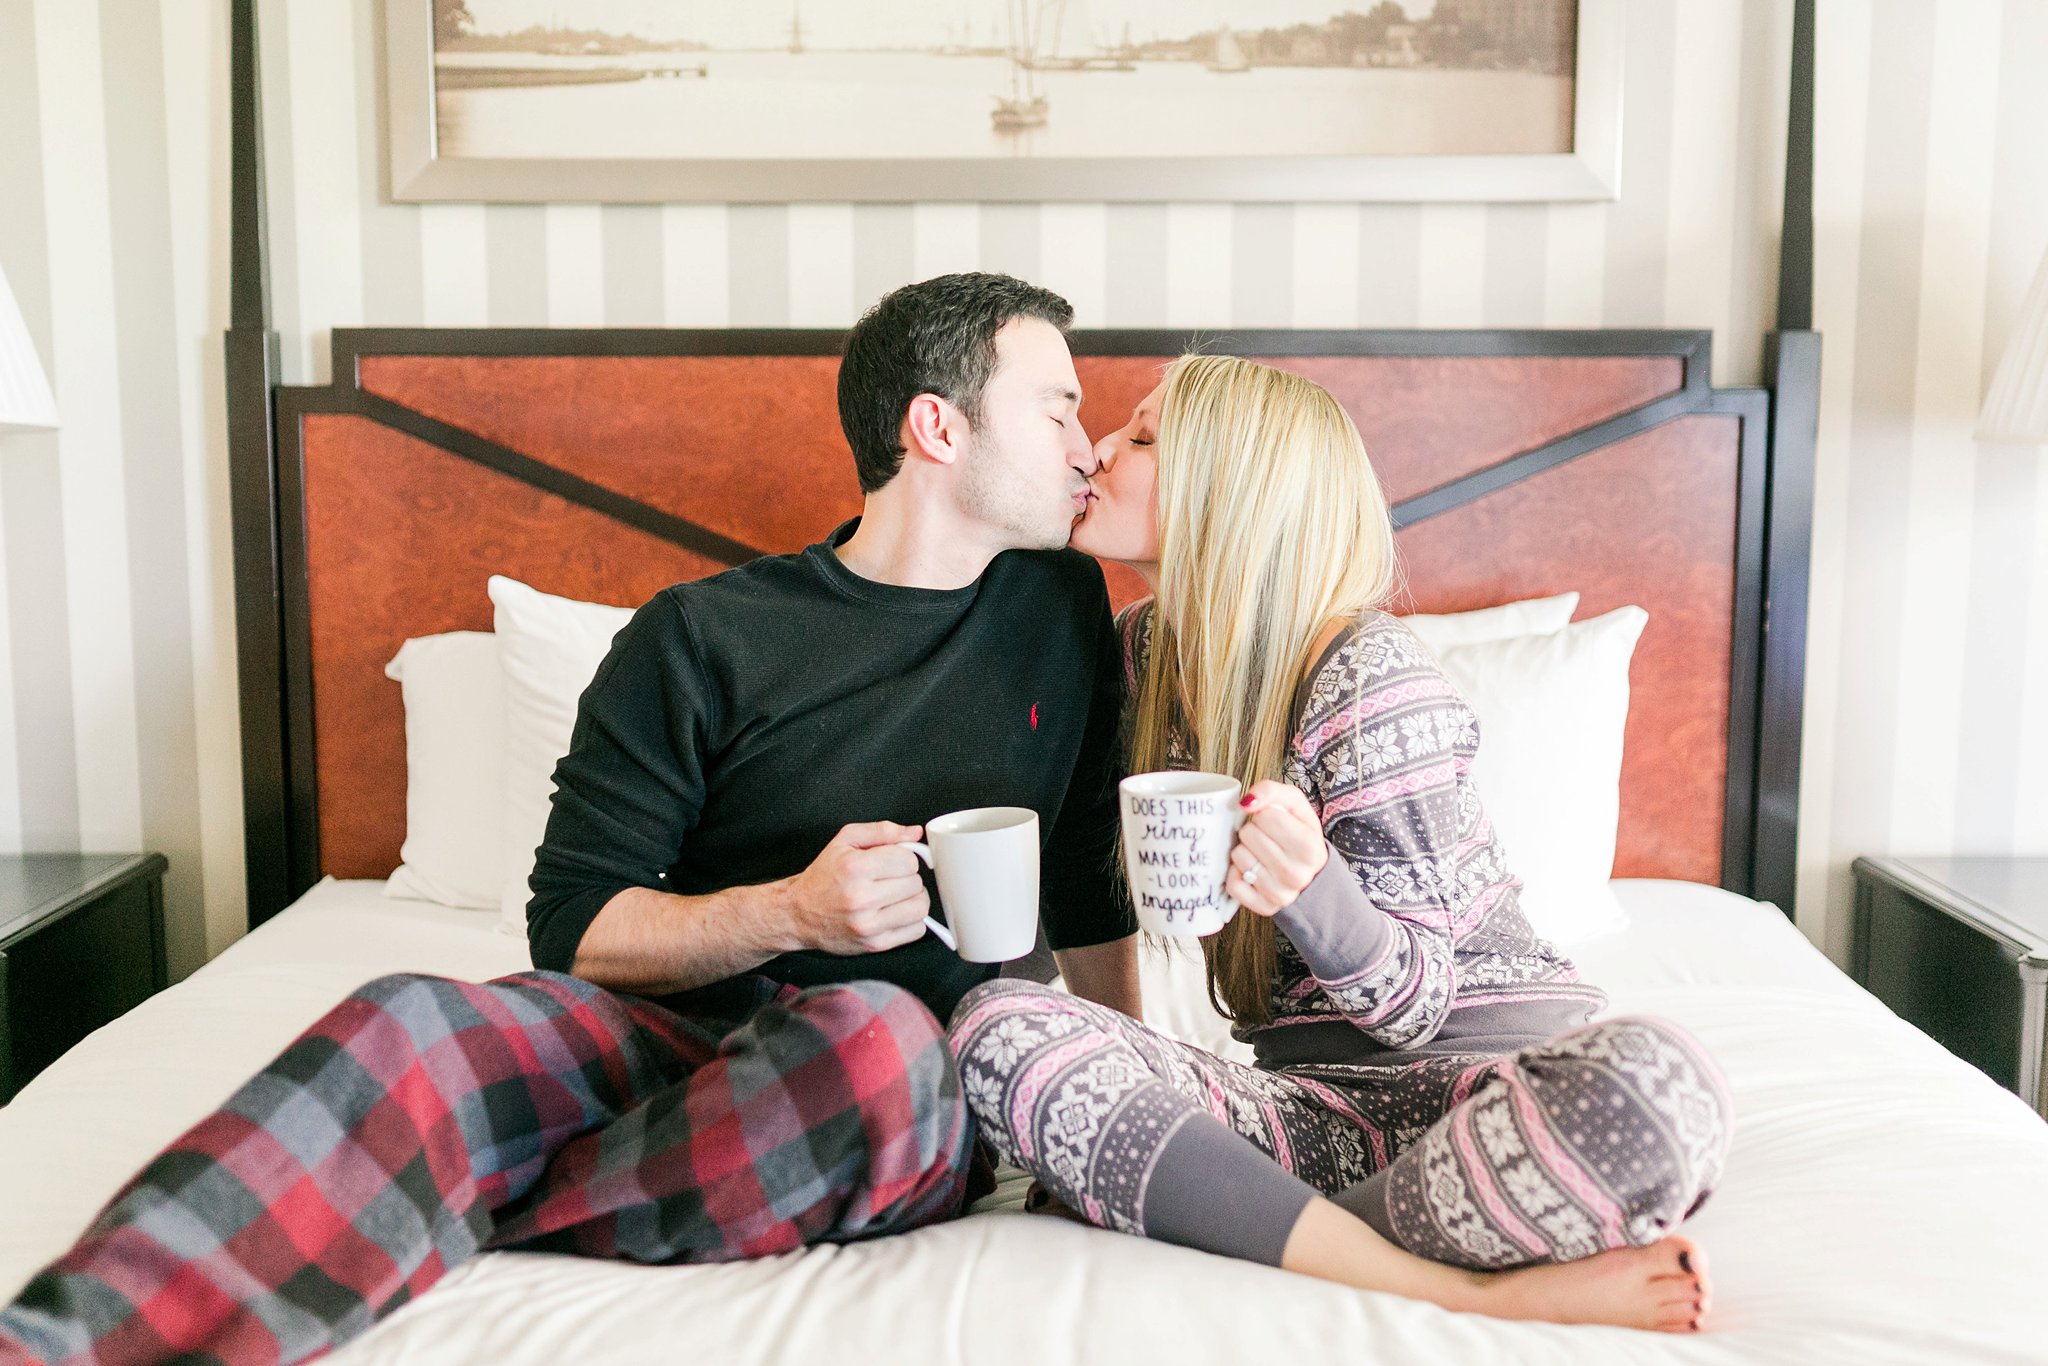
x: 1883, y: 1202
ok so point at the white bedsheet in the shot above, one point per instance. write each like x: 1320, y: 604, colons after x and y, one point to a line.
x: 1883, y: 1202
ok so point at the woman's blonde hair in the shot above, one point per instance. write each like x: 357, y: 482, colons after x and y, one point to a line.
x: 1271, y: 526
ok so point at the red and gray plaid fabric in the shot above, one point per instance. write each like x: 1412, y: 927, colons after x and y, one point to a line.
x: 423, y: 1120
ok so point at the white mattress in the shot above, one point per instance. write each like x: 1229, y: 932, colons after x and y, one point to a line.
x: 1883, y: 1202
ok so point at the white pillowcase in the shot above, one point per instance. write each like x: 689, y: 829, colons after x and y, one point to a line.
x: 1552, y: 709
x: 1552, y: 698
x: 548, y: 649
x: 1529, y: 617
x: 454, y: 837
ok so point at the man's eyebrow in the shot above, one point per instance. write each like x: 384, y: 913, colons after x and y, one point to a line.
x: 1060, y: 391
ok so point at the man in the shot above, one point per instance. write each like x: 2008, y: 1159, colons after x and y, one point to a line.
x: 726, y: 837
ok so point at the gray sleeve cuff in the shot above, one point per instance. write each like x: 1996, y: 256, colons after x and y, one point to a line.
x: 1335, y: 927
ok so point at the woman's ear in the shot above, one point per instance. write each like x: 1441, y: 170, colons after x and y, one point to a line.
x: 933, y: 428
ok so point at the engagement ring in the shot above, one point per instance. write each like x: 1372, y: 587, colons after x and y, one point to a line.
x: 1251, y: 874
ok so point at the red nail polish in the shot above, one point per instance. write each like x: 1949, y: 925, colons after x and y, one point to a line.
x: 1247, y: 799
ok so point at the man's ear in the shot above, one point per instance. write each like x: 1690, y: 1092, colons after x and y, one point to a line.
x: 934, y: 429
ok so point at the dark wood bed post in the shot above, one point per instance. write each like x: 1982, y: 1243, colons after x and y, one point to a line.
x: 252, y: 373
x: 1792, y: 373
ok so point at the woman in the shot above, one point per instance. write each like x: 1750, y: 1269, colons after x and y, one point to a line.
x: 1430, y: 1114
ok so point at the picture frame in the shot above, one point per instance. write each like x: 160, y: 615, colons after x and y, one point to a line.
x: 419, y: 171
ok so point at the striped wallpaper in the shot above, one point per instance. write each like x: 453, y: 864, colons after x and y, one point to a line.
x: 117, y: 667
x: 1927, y: 712
x: 1930, y: 602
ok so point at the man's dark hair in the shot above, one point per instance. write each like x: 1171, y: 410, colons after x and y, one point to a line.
x: 934, y: 337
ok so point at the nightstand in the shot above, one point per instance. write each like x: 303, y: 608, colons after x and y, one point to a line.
x: 81, y: 941
x: 1959, y: 947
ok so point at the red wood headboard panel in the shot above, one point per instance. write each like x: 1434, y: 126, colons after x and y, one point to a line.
x: 1648, y: 521
x: 401, y: 535
x: 618, y: 421
x: 748, y: 446
x: 400, y: 539
x: 1429, y: 420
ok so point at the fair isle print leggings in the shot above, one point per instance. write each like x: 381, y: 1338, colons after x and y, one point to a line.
x: 1603, y: 1137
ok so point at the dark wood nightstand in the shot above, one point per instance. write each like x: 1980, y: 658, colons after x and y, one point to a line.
x: 81, y: 941
x: 1959, y: 947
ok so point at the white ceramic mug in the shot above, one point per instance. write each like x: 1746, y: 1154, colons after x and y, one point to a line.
x: 987, y: 864
x: 1178, y: 830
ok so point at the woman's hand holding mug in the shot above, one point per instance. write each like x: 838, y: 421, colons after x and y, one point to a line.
x: 1279, y: 850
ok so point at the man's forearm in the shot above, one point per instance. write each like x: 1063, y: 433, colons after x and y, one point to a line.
x: 1106, y: 974
x: 860, y: 895
x: 652, y: 943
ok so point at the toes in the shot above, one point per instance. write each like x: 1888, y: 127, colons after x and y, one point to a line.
x: 1691, y: 1256
x: 1680, y: 1285
x: 1683, y: 1318
x: 1682, y: 1280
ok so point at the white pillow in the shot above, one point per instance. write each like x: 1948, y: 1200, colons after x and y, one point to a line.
x: 1552, y: 704
x: 548, y: 649
x: 454, y: 837
x: 1551, y: 711
x: 1529, y: 617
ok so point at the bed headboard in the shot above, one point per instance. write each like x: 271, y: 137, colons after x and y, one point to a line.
x: 606, y: 464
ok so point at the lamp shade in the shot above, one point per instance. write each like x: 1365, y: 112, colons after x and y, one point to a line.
x: 2016, y: 409
x: 26, y: 402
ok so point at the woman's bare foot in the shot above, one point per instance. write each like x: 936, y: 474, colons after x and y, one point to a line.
x: 1662, y: 1287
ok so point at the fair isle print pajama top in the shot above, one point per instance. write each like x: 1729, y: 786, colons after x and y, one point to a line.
x: 1413, y: 942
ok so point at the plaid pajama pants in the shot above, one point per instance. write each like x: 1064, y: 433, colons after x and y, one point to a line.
x: 1604, y: 1137
x: 423, y: 1120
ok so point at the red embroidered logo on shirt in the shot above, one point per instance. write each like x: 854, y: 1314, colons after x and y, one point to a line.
x: 1034, y: 716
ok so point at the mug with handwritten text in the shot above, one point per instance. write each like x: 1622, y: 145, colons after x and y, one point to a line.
x: 1178, y: 829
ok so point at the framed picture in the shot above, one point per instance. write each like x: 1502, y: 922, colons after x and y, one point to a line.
x: 779, y: 100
